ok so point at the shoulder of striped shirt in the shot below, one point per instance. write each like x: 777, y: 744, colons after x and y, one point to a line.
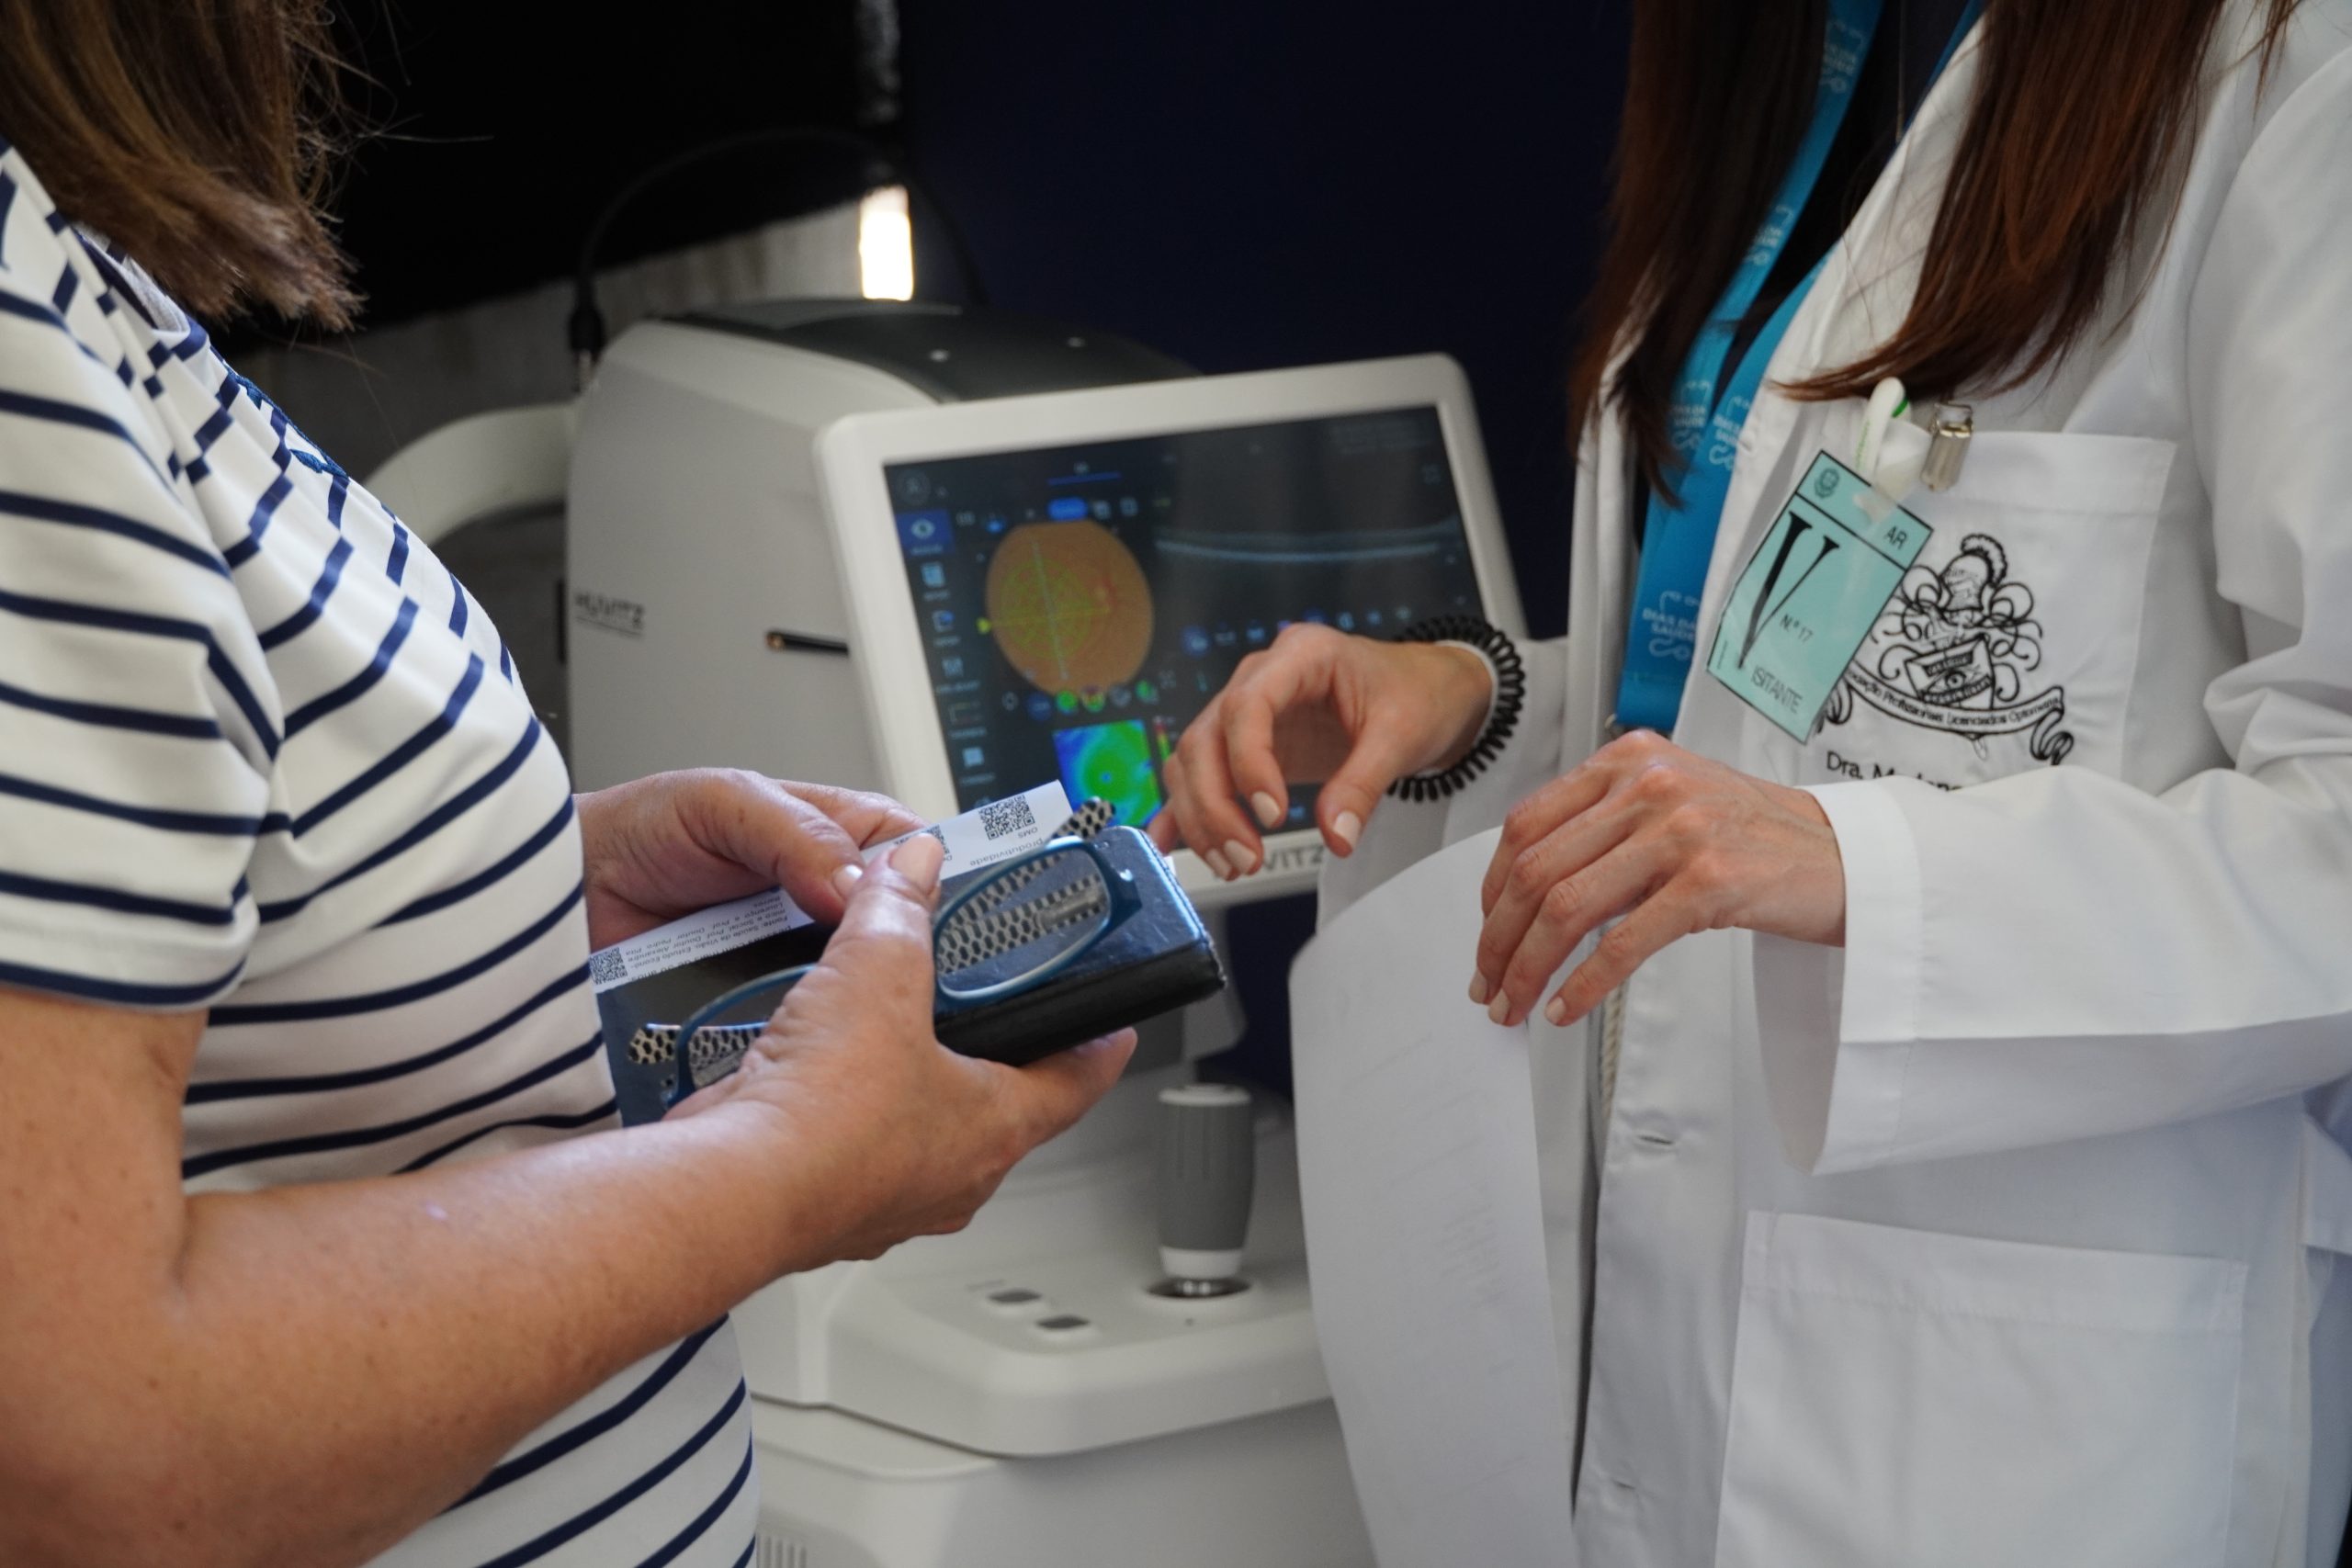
x: 117, y: 321
x: 74, y: 365
x: 53, y: 272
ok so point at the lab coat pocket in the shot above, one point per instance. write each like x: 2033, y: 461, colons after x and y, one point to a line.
x: 1900, y: 1397
x: 2011, y: 642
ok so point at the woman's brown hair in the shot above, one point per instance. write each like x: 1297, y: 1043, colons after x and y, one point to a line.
x: 194, y: 134
x: 2081, y: 109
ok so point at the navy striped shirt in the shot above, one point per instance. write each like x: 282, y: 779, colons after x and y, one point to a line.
x: 261, y: 754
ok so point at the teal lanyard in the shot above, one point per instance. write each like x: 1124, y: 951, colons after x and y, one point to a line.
x: 1678, y: 535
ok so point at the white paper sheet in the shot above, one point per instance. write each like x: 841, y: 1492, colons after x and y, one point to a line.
x: 1425, y: 1231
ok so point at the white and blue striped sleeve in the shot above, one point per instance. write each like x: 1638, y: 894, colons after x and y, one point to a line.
x: 137, y: 719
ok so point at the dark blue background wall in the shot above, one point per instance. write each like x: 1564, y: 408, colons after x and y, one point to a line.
x: 1256, y: 182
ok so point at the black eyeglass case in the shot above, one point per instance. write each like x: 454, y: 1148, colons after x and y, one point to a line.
x: 1157, y: 960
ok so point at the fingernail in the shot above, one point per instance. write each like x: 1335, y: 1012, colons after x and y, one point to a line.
x: 1348, y: 827
x: 846, y: 879
x: 1217, y: 863
x: 1480, y: 990
x: 1556, y: 1011
x: 1243, y: 857
x: 918, y: 858
x: 1500, y: 1009
x: 1269, y: 809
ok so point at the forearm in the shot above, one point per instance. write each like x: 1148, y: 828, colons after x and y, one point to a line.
x: 322, y: 1369
x: 1405, y: 831
x: 1531, y: 758
x: 1469, y: 681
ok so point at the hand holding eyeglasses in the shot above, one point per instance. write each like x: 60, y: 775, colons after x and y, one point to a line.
x: 921, y: 1135
x: 664, y: 846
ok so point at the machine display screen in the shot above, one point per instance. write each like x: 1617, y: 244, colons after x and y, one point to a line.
x: 1081, y: 605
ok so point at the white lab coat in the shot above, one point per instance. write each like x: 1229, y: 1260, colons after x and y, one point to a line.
x: 2004, y: 1236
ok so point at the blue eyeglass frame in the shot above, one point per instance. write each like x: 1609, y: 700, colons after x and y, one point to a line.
x: 1126, y: 901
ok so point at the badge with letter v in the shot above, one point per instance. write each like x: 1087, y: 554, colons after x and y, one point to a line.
x: 1810, y: 594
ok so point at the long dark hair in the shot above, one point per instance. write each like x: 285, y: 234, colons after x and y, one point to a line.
x: 194, y: 134
x: 2082, y: 107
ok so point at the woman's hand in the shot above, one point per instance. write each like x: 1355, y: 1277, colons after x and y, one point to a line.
x: 894, y: 1135
x: 673, y: 843
x: 1318, y: 706
x: 1673, y: 843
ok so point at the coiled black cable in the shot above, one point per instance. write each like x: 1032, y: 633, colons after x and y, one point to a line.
x: 1510, y: 695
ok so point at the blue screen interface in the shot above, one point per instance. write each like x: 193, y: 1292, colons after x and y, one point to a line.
x: 1081, y: 605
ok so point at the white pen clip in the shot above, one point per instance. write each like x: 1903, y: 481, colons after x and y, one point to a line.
x: 1886, y: 405
x: 1889, y: 451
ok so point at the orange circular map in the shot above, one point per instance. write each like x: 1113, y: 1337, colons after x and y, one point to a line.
x: 1069, y: 606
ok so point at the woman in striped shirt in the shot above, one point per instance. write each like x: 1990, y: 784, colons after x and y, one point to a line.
x: 322, y: 1244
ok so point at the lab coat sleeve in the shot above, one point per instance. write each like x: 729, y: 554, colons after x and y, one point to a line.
x: 2058, y: 954
x: 1402, y: 832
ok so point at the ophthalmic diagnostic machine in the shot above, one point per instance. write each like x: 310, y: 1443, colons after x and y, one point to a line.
x: 952, y: 555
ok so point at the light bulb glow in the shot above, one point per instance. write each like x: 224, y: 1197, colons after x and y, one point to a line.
x: 885, y: 245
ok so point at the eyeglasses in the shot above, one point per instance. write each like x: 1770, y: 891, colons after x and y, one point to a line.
x: 1016, y: 927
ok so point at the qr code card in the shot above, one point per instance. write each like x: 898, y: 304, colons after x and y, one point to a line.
x: 995, y: 831
x: 983, y: 837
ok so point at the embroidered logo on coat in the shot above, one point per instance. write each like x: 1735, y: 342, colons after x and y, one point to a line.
x: 1955, y: 650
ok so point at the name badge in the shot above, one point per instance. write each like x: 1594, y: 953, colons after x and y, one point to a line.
x: 1811, y: 594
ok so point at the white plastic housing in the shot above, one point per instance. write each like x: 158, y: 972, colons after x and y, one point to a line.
x: 915, y: 1341
x: 694, y: 529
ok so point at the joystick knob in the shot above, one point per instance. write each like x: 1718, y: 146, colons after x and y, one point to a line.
x: 1208, y: 1152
